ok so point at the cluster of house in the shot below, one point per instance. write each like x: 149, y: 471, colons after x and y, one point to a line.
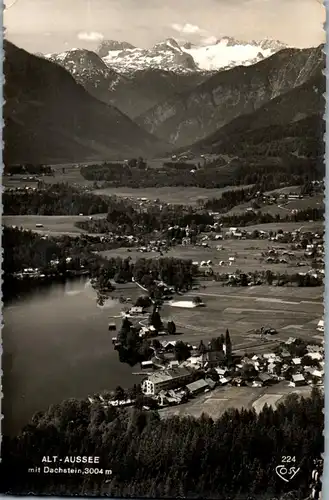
x: 31, y: 272
x: 172, y: 382
x: 154, y: 246
x: 279, y: 255
x: 22, y: 188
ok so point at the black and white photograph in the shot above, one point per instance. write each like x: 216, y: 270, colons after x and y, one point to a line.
x: 163, y: 237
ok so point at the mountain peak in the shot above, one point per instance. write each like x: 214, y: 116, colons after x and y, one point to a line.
x: 80, y: 60
x: 168, y: 43
x: 107, y: 46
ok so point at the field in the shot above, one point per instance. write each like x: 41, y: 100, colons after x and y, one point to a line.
x: 216, y: 402
x: 291, y: 311
x: 52, y: 224
x: 174, y: 195
x: 288, y: 226
x: 247, y: 254
x: 71, y: 176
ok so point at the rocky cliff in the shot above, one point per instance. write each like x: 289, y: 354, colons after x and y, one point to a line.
x: 192, y: 115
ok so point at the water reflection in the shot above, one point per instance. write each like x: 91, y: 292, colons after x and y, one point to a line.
x: 57, y: 345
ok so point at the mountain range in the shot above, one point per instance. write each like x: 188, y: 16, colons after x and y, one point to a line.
x: 75, y: 107
x: 133, y: 93
x: 182, y: 56
x: 50, y: 118
x: 194, y: 114
x: 178, y: 57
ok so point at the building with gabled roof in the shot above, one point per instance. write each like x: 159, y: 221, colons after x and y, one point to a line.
x: 165, y: 379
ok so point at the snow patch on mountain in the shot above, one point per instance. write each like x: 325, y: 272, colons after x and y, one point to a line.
x: 223, y: 55
x: 168, y: 55
x: 86, y: 67
x: 171, y: 55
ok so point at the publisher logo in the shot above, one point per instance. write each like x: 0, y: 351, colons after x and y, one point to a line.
x: 286, y: 473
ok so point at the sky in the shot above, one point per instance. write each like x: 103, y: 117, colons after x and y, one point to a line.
x: 56, y: 25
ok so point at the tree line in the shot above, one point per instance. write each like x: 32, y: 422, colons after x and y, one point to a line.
x: 267, y: 277
x: 178, y: 273
x: 27, y: 249
x: 304, y: 136
x: 59, y: 256
x: 257, y: 217
x: 54, y: 199
x: 124, y: 219
x: 231, y: 199
x: 233, y: 456
x: 28, y: 168
x: 268, y: 173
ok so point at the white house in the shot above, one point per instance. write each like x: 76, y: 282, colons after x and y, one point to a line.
x: 296, y: 361
x: 297, y: 380
x: 164, y: 380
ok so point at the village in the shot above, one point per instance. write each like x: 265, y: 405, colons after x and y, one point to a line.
x: 178, y: 372
x: 169, y: 382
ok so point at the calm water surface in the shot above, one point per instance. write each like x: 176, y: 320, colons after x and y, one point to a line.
x: 57, y: 345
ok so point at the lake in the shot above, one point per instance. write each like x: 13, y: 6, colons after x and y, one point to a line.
x: 56, y: 346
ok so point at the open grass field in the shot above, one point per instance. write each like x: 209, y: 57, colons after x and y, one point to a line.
x: 291, y: 311
x: 285, y: 190
x: 71, y: 176
x: 288, y: 226
x: 174, y: 195
x: 216, y: 402
x: 247, y: 254
x: 52, y: 224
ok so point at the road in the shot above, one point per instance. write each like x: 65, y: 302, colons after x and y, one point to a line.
x: 256, y: 298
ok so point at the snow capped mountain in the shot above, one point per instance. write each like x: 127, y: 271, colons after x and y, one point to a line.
x: 87, y: 68
x: 228, y: 52
x: 133, y: 93
x: 171, y: 55
x: 108, y: 45
x: 167, y: 55
x: 180, y: 57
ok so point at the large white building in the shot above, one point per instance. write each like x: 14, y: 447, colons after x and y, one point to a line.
x: 165, y: 379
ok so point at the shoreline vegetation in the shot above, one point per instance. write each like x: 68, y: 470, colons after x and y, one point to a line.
x: 106, y: 273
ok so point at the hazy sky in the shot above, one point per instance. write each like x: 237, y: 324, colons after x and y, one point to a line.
x: 56, y: 25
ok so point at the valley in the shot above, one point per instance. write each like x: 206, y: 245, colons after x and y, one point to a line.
x: 164, y: 261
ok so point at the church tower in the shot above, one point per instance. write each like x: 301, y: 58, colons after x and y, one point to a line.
x: 228, y: 345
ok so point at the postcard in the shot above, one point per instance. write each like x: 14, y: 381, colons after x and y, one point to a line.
x: 163, y: 235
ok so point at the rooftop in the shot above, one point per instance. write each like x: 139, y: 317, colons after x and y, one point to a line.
x: 198, y: 384
x: 170, y: 374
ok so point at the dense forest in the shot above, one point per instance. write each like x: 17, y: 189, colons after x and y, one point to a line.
x: 304, y: 136
x: 268, y: 173
x: 232, y: 457
x: 54, y: 199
